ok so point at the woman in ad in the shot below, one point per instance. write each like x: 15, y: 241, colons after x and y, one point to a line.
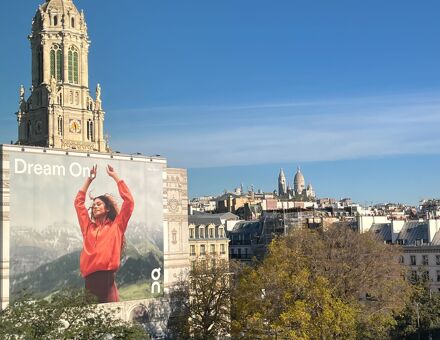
x: 103, y: 237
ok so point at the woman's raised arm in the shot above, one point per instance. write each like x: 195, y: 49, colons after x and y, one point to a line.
x: 128, y: 202
x: 89, y: 179
x: 81, y: 210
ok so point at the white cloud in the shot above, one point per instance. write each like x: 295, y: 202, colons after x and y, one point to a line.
x: 290, y: 131
x: 315, y: 131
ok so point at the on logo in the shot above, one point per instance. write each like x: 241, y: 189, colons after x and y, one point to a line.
x: 155, y: 275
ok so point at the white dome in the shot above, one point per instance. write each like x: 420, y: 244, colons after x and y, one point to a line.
x: 298, y: 181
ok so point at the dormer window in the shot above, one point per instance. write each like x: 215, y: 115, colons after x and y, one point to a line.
x: 201, y: 232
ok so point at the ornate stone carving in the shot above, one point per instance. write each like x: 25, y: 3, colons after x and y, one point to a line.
x: 173, y: 205
x: 70, y: 144
x: 98, y: 98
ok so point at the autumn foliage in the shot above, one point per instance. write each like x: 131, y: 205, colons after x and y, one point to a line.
x: 314, y: 284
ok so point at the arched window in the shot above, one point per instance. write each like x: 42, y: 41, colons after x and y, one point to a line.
x: 28, y: 129
x: 73, y: 65
x: 90, y: 130
x: 56, y: 62
x: 55, y: 20
x: 40, y: 64
x: 72, y: 22
x: 60, y: 126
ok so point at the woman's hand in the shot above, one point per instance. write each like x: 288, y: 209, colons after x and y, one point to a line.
x: 89, y: 180
x: 93, y: 173
x: 112, y: 173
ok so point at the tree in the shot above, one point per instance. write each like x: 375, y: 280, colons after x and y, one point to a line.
x: 69, y: 314
x: 283, y: 298
x: 204, y: 300
x: 421, y: 314
x: 317, y: 284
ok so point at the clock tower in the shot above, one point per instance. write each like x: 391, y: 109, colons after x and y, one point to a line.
x: 59, y: 111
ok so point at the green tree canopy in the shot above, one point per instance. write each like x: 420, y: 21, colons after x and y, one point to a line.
x: 421, y: 313
x: 69, y: 314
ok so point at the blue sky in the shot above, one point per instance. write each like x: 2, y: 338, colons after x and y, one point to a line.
x: 234, y: 90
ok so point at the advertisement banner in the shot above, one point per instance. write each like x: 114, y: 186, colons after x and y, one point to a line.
x: 55, y: 240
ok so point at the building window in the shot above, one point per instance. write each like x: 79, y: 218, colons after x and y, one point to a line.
x: 191, y: 232
x: 212, y: 249
x: 73, y: 65
x: 90, y: 130
x: 192, y: 250
x: 202, y: 250
x: 174, y: 236
x: 193, y: 265
x: 426, y: 275
x: 202, y: 232
x: 401, y: 259
x: 221, y: 232
x: 40, y: 64
x: 222, y: 249
x: 413, y: 260
x: 55, y: 20
x: 413, y: 276
x: 438, y: 275
x: 213, y: 263
x: 56, y: 62
x: 425, y: 260
x: 28, y: 129
x: 72, y: 22
x: 239, y: 252
x: 211, y: 232
x: 437, y: 259
x: 60, y: 126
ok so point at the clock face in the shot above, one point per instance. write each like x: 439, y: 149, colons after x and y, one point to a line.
x: 75, y: 126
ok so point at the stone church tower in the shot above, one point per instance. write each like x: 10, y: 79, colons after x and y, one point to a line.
x: 59, y: 112
x: 282, y: 184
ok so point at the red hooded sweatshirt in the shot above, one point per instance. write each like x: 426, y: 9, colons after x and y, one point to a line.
x: 102, y: 242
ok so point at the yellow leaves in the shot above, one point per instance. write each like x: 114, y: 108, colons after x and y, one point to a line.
x: 312, y: 282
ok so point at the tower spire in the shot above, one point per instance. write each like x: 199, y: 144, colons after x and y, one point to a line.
x: 60, y: 112
x: 282, y: 183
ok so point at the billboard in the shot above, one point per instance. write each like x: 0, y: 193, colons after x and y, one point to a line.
x: 55, y: 240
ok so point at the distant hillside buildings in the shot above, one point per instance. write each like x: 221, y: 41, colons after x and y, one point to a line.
x: 250, y: 205
x: 262, y: 216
